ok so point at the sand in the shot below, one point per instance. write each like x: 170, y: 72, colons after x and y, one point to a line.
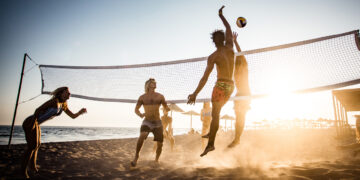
x: 262, y: 154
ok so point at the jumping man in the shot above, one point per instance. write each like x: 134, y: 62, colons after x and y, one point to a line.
x: 223, y: 57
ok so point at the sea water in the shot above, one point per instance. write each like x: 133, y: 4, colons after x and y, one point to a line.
x: 63, y: 134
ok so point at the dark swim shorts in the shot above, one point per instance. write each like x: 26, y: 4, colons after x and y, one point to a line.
x: 222, y: 91
x: 155, y: 127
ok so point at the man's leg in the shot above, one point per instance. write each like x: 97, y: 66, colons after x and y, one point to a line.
x: 213, y: 127
x: 159, y: 138
x: 158, y: 150
x: 140, y: 142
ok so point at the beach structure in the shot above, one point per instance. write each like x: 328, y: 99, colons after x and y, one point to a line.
x: 228, y: 117
x: 344, y: 101
x: 191, y: 113
x: 300, y: 67
x: 174, y: 107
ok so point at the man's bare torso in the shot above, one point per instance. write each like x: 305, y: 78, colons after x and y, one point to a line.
x: 151, y: 103
x: 223, y: 57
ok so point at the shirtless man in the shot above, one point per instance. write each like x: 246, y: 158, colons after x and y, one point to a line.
x: 223, y: 57
x: 241, y: 77
x: 151, y: 101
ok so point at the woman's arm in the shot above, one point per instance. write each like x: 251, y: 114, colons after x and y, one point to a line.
x: 235, y: 35
x: 72, y: 115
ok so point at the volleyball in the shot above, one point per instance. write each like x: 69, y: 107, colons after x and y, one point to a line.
x: 241, y: 22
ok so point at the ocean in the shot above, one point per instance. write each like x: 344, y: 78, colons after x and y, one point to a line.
x: 64, y: 134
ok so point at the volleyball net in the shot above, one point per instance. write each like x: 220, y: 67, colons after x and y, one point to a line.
x: 313, y: 65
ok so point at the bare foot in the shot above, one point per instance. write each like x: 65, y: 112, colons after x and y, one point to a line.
x: 34, y: 168
x: 133, y: 163
x: 206, y: 135
x: 156, y: 162
x: 26, y: 175
x: 233, y: 144
x: 207, y: 149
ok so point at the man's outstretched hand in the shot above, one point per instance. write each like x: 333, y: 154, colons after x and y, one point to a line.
x: 220, y: 10
x: 191, y: 99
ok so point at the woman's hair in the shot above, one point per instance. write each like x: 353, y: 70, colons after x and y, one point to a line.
x: 57, y: 92
x: 218, y: 37
x: 147, y: 83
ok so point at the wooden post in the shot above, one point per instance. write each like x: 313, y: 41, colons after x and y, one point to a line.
x: 341, y: 119
x: 336, y: 112
x: 190, y: 121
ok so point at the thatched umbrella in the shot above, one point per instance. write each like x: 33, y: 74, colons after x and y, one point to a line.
x: 174, y: 107
x: 227, y: 117
x: 191, y: 113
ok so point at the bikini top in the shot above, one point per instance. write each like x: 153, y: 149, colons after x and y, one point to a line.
x: 49, y: 114
x: 206, y: 114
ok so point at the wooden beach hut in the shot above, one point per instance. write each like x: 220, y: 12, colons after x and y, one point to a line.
x: 344, y: 101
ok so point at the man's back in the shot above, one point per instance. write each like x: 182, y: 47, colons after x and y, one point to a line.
x: 223, y: 57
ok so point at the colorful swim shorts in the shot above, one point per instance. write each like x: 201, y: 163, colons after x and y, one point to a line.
x: 222, y: 91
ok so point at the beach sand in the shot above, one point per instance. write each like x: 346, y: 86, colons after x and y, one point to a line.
x: 262, y: 154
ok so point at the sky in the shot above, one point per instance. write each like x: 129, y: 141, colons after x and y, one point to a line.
x: 89, y: 32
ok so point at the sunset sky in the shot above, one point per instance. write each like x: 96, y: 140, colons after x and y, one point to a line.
x: 101, y: 33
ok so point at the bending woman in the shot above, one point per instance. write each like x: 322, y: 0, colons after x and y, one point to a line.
x: 31, y: 125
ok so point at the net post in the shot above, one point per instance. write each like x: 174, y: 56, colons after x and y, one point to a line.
x: 357, y: 39
x: 17, y: 100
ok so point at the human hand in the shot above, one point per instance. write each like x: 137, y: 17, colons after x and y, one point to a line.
x: 191, y: 99
x: 235, y: 35
x: 83, y: 110
x: 220, y: 10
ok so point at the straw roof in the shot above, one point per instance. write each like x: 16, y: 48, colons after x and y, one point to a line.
x: 349, y: 98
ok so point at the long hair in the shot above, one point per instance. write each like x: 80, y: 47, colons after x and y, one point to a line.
x: 57, y: 92
x: 147, y: 83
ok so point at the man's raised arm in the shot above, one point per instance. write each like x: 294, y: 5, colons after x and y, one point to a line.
x: 228, y: 33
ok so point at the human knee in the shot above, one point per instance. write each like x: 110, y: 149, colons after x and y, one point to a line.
x: 143, y: 135
x: 32, y: 146
x: 38, y: 145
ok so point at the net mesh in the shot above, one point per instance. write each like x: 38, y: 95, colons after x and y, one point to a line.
x: 312, y: 65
